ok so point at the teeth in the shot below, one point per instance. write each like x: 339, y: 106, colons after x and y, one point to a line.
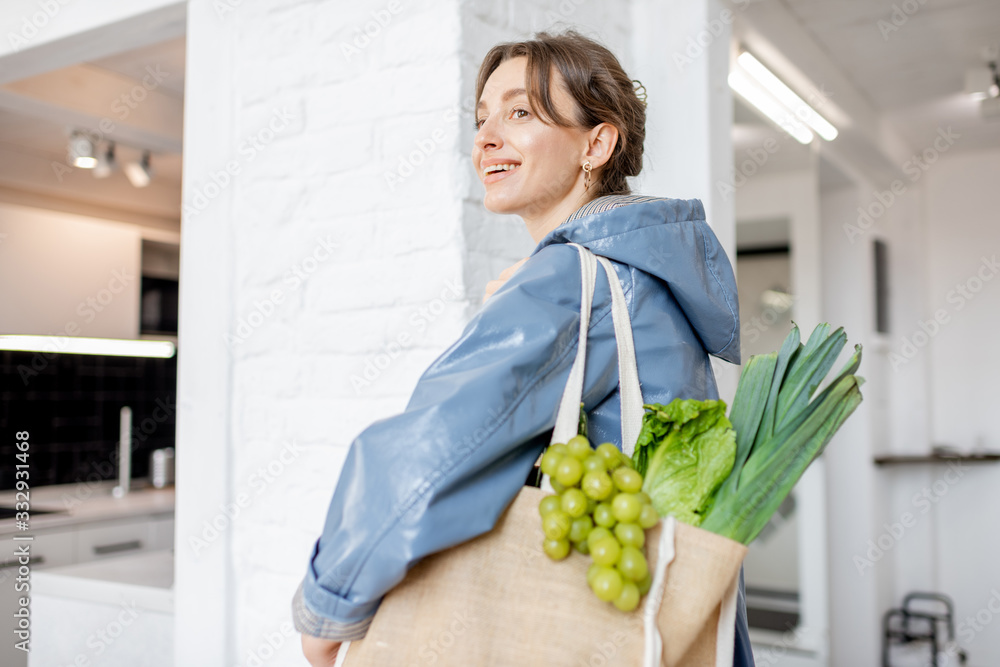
x: 499, y: 167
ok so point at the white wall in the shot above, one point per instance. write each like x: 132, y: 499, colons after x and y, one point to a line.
x: 962, y: 201
x: 68, y: 275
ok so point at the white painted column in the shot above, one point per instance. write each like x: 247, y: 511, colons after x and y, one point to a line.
x: 681, y: 54
x: 322, y: 272
x: 854, y: 506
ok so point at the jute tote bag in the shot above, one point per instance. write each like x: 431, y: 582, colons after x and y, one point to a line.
x: 499, y: 600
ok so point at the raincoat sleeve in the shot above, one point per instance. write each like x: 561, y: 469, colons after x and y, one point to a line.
x: 444, y: 470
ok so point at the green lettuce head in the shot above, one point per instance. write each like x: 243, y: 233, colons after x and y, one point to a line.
x: 685, y: 451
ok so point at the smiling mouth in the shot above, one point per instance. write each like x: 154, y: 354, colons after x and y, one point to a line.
x: 496, y: 168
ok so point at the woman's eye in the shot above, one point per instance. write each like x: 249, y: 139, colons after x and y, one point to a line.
x: 479, y: 122
x: 519, y: 113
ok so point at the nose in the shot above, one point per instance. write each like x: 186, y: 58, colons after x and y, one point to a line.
x: 488, y: 136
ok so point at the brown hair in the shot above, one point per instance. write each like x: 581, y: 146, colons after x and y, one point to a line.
x: 597, y: 83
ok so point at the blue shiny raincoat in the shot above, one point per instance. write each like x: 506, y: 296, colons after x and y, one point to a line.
x: 444, y: 470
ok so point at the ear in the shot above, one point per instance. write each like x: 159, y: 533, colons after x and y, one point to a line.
x: 601, y: 143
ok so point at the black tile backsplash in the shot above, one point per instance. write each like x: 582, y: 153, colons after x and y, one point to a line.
x: 70, y: 405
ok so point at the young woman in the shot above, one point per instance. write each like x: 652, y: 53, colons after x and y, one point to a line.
x: 560, y: 128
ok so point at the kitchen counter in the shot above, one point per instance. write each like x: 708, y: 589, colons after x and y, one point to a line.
x: 146, y: 578
x: 85, y: 502
x: 113, y: 611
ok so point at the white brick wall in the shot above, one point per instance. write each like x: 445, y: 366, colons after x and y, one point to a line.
x: 357, y: 248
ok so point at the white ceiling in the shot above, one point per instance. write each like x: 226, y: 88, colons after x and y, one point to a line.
x: 911, y: 66
x: 31, y: 142
x: 911, y: 78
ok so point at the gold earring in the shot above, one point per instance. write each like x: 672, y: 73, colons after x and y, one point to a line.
x: 586, y: 174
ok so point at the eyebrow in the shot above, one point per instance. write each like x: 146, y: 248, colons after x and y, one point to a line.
x: 513, y: 92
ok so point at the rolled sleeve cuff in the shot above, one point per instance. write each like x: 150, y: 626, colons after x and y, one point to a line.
x: 309, y: 622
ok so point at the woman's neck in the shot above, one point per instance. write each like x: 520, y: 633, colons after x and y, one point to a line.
x: 540, y: 227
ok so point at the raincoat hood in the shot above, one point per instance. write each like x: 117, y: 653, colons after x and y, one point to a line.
x: 669, y: 239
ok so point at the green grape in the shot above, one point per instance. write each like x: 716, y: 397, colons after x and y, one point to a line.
x: 579, y: 447
x: 556, y: 549
x: 583, y: 547
x: 612, y: 457
x: 644, y: 497
x: 574, y: 503
x: 580, y: 529
x: 603, y: 516
x: 630, y: 535
x: 569, y: 471
x: 648, y: 517
x: 645, y: 583
x: 632, y: 564
x: 549, y: 504
x: 626, y: 508
x: 559, y: 448
x: 628, y: 480
x: 597, y: 485
x: 591, y: 573
x: 556, y: 525
x: 594, y: 463
x: 598, y: 534
x: 591, y: 505
x: 628, y: 599
x: 607, y: 584
x: 605, y: 551
x: 556, y: 486
x: 549, y: 462
x: 627, y: 461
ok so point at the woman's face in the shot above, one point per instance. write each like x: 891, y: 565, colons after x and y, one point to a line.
x: 530, y: 168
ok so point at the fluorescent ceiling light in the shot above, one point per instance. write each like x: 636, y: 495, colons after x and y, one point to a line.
x: 770, y: 107
x: 159, y: 349
x: 786, y: 96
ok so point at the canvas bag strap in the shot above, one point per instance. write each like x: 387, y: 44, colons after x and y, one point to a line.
x: 568, y: 415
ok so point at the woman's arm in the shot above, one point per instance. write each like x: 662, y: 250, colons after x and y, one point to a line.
x: 444, y: 470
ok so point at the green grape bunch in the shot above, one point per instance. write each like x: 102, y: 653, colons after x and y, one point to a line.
x: 599, y: 509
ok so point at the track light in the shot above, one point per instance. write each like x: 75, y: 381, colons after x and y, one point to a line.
x: 139, y: 173
x: 81, y: 151
x: 105, y: 162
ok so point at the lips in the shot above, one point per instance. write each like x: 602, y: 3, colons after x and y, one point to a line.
x: 495, y: 170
